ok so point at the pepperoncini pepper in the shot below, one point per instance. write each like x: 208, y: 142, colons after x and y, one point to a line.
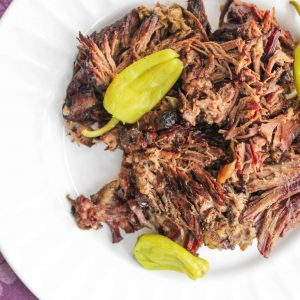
x: 297, y: 69
x: 157, y: 252
x: 139, y: 87
x: 296, y: 5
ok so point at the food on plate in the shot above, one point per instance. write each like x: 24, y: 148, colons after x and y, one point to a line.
x: 157, y: 252
x: 216, y: 161
x: 142, y: 85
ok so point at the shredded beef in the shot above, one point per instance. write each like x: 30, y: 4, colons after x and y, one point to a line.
x: 216, y: 162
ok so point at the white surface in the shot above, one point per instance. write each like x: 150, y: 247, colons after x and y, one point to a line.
x: 39, y: 166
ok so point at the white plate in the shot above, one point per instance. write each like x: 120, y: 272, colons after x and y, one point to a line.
x: 39, y: 166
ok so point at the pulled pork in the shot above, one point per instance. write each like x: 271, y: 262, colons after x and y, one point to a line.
x: 216, y: 162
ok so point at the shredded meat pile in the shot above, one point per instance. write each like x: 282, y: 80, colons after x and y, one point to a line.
x: 217, y: 161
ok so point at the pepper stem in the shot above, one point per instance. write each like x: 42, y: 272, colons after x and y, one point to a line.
x: 95, y: 133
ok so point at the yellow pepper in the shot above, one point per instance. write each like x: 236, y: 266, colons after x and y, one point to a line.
x: 297, y: 69
x: 296, y: 5
x: 139, y: 87
x: 157, y: 252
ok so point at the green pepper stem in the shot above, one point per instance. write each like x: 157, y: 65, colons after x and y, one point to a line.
x: 296, y: 5
x: 95, y: 133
